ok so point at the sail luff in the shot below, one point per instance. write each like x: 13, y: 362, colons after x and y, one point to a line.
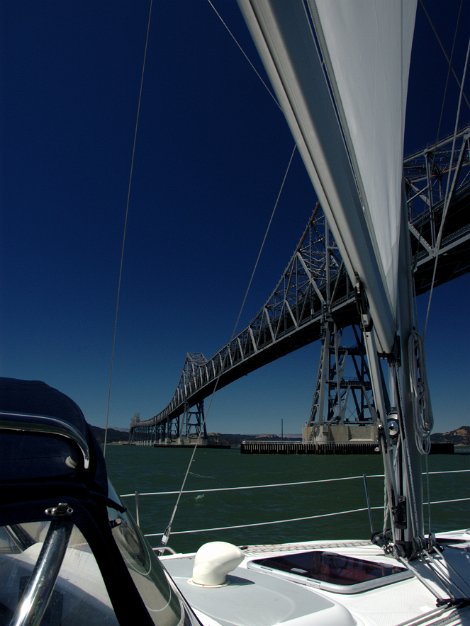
x: 285, y: 42
x: 350, y: 131
x: 367, y: 45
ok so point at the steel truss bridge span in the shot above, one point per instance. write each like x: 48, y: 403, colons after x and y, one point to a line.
x: 315, y: 284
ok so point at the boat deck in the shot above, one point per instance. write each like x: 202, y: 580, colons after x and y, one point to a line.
x: 257, y: 594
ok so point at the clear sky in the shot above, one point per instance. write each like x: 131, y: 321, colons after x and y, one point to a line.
x: 211, y: 153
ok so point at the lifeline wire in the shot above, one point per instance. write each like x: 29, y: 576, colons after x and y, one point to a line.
x: 289, y: 520
x: 124, y: 234
x: 294, y: 484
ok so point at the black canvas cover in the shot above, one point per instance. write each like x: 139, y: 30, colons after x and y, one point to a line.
x: 35, y: 457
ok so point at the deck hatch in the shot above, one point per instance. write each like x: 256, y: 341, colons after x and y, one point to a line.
x: 332, y: 571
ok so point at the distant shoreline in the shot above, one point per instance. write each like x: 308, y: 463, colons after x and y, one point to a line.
x: 460, y: 437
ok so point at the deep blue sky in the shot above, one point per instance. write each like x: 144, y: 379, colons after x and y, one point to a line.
x: 211, y: 153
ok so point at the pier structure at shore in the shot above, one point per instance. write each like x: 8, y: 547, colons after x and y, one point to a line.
x: 302, y: 447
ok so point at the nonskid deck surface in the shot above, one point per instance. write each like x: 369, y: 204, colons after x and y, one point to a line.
x: 256, y: 595
x: 302, y: 545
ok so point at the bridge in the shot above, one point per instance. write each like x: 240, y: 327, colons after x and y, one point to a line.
x: 315, y: 292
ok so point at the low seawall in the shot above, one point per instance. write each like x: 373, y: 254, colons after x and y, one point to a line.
x: 299, y: 447
x: 173, y: 444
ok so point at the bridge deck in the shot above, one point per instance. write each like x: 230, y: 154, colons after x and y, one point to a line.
x: 293, y: 315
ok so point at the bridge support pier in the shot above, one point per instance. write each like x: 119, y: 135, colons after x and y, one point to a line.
x: 342, y: 407
x: 194, y: 422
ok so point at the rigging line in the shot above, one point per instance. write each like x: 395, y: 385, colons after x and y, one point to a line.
x: 449, y: 70
x: 166, y: 534
x: 447, y: 196
x: 428, y: 494
x: 263, y: 82
x: 260, y: 252
x: 124, y: 233
x: 444, y: 52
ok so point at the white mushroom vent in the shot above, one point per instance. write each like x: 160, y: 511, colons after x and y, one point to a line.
x: 213, y: 561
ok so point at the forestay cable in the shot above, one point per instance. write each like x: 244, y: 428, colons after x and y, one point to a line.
x: 237, y: 43
x: 255, y: 267
x: 422, y: 411
x: 449, y: 190
x: 166, y: 534
x: 444, y: 52
x: 449, y: 70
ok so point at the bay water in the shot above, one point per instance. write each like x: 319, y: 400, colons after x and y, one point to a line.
x: 146, y: 469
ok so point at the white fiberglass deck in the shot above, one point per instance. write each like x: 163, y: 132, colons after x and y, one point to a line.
x: 258, y: 596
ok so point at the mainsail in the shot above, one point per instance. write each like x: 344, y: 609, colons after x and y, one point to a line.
x: 348, y: 122
x: 340, y: 71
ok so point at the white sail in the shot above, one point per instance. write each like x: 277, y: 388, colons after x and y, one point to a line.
x: 362, y: 205
x: 367, y: 46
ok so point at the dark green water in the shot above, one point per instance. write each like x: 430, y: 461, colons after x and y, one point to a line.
x: 156, y: 469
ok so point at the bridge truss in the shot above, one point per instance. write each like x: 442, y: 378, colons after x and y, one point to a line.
x: 314, y: 293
